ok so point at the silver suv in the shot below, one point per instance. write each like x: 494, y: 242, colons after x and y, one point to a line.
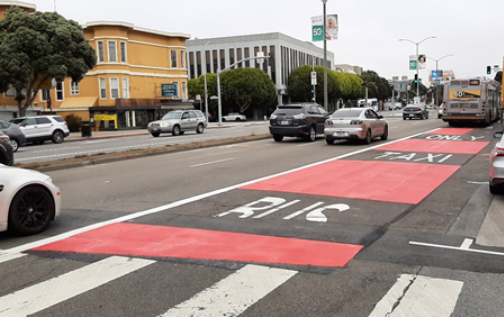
x: 178, y: 122
x: 38, y: 129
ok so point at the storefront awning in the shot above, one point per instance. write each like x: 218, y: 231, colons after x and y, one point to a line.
x: 79, y: 102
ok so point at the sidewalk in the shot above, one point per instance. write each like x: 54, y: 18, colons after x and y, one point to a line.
x: 77, y: 136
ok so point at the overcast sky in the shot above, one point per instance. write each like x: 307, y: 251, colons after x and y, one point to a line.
x: 369, y: 30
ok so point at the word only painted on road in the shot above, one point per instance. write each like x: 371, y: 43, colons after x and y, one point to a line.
x: 451, y: 137
x: 431, y: 158
x: 269, y: 205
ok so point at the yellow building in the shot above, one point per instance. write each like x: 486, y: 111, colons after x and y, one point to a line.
x: 124, y: 89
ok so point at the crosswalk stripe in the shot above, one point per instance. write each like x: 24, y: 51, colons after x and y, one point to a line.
x: 51, y: 292
x: 234, y: 294
x: 419, y: 296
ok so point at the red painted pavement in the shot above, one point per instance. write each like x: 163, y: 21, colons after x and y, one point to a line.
x: 367, y: 180
x: 436, y: 146
x: 156, y: 241
x: 451, y: 131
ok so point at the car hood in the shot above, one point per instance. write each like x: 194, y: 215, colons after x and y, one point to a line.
x: 8, y: 171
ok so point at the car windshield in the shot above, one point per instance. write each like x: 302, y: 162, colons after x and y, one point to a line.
x: 347, y: 113
x: 17, y: 121
x: 172, y: 116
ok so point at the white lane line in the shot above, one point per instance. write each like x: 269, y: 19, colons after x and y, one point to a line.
x: 213, y: 162
x: 51, y: 292
x: 9, y: 257
x: 234, y: 294
x: 478, y: 183
x: 462, y: 248
x: 307, y: 144
x: 419, y: 296
x: 196, y: 198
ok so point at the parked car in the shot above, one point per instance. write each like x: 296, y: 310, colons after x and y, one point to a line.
x: 178, y: 122
x: 496, y: 174
x: 355, y: 124
x: 38, y: 129
x: 17, y: 137
x: 415, y: 111
x: 29, y: 201
x: 233, y: 116
x: 6, y: 151
x: 301, y: 120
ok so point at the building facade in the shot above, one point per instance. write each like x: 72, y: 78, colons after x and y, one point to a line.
x: 347, y: 68
x: 212, y: 55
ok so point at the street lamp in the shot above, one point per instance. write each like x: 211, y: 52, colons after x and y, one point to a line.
x: 326, y: 102
x: 403, y: 39
x: 437, y: 68
x: 206, y: 92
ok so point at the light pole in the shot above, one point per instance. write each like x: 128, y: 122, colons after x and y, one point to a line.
x: 206, y: 92
x: 326, y: 104
x: 418, y: 83
x: 438, y: 70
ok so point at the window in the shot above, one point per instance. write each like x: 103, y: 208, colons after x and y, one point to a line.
x: 11, y: 92
x: 178, y: 90
x: 184, y: 89
x: 101, y: 52
x: 112, y: 51
x: 114, y: 88
x: 192, y: 115
x: 44, y: 94
x: 60, y: 94
x: 182, y: 59
x: 43, y: 120
x: 103, y: 88
x: 125, y: 88
x: 74, y: 88
x: 123, y: 52
x: 173, y: 55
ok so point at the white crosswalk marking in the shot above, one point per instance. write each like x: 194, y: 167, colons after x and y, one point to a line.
x: 234, y: 294
x: 419, y: 296
x: 48, y: 293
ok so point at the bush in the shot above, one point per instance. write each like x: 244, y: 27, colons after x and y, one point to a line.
x: 74, y: 122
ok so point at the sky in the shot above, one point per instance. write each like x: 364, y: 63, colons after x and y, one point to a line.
x: 369, y: 30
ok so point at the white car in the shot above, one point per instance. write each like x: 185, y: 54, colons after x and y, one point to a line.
x: 233, y: 116
x: 38, y: 129
x: 29, y: 201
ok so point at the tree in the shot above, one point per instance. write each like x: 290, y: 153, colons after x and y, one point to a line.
x: 38, y: 47
x: 379, y: 87
x: 248, y: 87
x: 498, y: 77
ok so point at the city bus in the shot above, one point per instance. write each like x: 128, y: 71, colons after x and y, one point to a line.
x: 471, y: 101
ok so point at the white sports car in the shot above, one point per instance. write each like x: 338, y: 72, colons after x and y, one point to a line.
x: 29, y: 201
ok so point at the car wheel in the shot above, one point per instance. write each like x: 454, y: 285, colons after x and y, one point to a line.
x: 14, y: 144
x: 329, y: 141
x: 278, y: 138
x: 238, y: 119
x: 385, y: 133
x: 313, y: 134
x: 493, y: 189
x: 368, y: 138
x: 31, y: 211
x: 422, y: 117
x: 58, y: 137
x: 200, y: 129
x: 404, y: 118
x: 223, y: 120
x: 176, y: 131
x: 155, y: 135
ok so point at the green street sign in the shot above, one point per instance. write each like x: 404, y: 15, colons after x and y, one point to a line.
x: 318, y: 33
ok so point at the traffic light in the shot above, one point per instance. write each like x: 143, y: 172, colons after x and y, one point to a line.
x: 489, y: 70
x: 416, y: 78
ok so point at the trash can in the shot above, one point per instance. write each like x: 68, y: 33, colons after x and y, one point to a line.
x: 86, y: 129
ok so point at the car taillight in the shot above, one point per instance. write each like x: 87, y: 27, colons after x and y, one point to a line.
x: 329, y: 122
x: 498, y: 152
x: 355, y: 122
x: 418, y: 109
x: 5, y: 138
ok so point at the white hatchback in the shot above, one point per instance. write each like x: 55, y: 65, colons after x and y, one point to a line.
x: 29, y: 201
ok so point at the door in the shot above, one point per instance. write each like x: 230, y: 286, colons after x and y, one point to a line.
x: 193, y: 119
x: 29, y: 128
x: 377, y: 124
x: 185, y: 123
x: 44, y: 127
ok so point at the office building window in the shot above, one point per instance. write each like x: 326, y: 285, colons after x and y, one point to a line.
x: 112, y: 48
x: 125, y: 84
x: 247, y: 55
x: 231, y: 57
x: 198, y: 63
x: 60, y: 92
x: 215, y: 61
x: 191, y: 65
x: 114, y: 88
x: 207, y: 61
x: 176, y: 83
x: 222, y: 59
x: 173, y: 58
x: 256, y: 50
x: 103, y: 88
x: 124, y: 58
x: 239, y: 57
x: 101, y: 52
x: 272, y: 60
x: 74, y: 88
x: 265, y: 63
x: 184, y: 90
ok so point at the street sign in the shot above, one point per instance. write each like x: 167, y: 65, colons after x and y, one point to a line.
x: 169, y: 90
x: 314, y: 78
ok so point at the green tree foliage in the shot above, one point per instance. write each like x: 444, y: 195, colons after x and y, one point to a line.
x: 247, y: 87
x: 498, y: 77
x: 40, y: 46
x: 378, y: 87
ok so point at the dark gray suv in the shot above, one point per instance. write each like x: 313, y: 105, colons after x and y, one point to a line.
x: 301, y: 120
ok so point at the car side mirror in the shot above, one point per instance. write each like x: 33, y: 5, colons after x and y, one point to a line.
x: 498, y: 135
x: 380, y: 117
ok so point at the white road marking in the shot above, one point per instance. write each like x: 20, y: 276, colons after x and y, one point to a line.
x: 295, y: 214
x: 307, y: 144
x: 464, y: 248
x: 234, y: 294
x: 51, y: 292
x: 213, y: 162
x: 478, y: 183
x: 196, y: 198
x: 9, y: 257
x: 286, y: 205
x: 419, y: 296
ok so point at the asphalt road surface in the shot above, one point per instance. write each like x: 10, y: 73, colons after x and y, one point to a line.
x: 403, y: 227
